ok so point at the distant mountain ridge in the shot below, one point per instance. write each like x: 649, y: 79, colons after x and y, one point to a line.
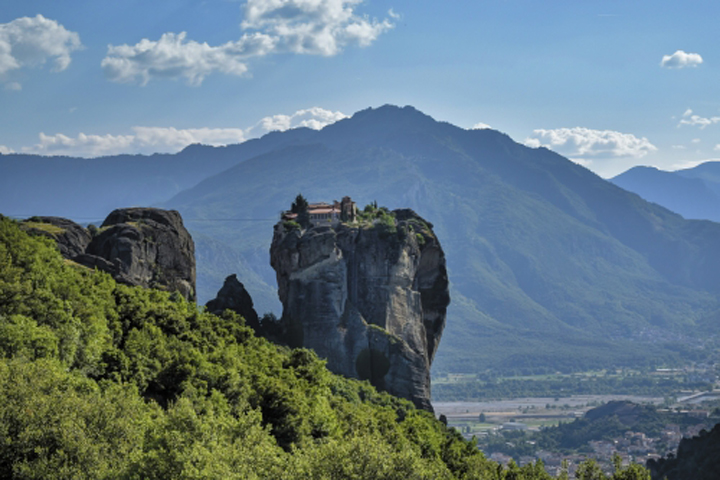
x: 694, y: 193
x: 88, y: 188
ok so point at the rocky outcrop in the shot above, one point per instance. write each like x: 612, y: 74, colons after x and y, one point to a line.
x: 72, y: 239
x: 370, y: 297
x: 233, y: 296
x: 148, y: 247
x: 145, y: 247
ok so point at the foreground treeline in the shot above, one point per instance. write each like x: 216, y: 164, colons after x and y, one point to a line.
x: 99, y: 380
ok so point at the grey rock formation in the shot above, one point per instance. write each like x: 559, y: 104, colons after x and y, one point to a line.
x: 72, y: 239
x: 233, y: 296
x: 370, y: 297
x: 148, y: 247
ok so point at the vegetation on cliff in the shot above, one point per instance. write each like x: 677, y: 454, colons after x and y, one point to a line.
x: 102, y: 380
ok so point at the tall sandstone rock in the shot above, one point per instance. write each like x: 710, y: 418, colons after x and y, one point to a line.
x: 370, y: 297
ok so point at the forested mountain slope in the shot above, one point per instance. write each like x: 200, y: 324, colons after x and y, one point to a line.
x: 550, y: 265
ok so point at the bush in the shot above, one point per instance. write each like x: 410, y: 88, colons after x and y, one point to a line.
x: 291, y: 225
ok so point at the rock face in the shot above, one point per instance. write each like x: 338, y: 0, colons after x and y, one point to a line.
x: 146, y: 247
x: 233, y: 296
x: 369, y: 297
x: 72, y: 239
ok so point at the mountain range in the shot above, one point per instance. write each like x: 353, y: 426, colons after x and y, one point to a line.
x: 692, y: 192
x: 551, y: 267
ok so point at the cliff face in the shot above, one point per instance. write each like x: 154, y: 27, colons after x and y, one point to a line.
x: 370, y: 298
x: 147, y: 247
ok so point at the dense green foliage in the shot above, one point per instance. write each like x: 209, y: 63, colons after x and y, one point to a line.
x: 100, y: 380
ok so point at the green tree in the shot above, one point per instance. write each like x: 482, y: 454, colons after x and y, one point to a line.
x: 300, y: 207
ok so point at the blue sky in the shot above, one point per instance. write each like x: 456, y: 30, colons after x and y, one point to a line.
x: 610, y: 84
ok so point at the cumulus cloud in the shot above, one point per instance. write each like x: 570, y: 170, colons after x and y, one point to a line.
x: 691, y: 119
x: 148, y: 140
x: 32, y: 42
x: 680, y: 59
x: 5, y: 150
x: 175, y: 57
x: 480, y: 126
x: 316, y: 27
x: 320, y: 27
x: 142, y: 140
x: 579, y: 143
x: 315, y: 118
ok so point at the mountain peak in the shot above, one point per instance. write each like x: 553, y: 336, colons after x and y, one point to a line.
x: 383, y: 122
x: 392, y: 112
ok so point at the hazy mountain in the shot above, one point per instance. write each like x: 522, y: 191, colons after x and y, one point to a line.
x: 88, y: 189
x: 693, y: 193
x: 550, y: 265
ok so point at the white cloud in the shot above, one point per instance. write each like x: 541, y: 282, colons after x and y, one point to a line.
x: 13, y: 86
x: 315, y: 118
x: 695, y: 140
x: 318, y: 27
x: 175, y: 57
x: 696, y: 120
x: 678, y: 147
x: 717, y: 147
x: 5, y: 150
x: 32, y: 41
x: 321, y: 27
x: 680, y: 59
x: 579, y: 143
x: 142, y: 140
x: 148, y: 140
x: 480, y: 126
